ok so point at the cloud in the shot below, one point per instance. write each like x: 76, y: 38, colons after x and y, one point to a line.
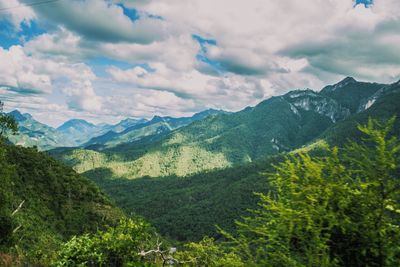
x: 101, y: 21
x: 18, y: 72
x: 17, y: 14
x: 252, y: 37
x: 82, y: 97
x: 229, y: 91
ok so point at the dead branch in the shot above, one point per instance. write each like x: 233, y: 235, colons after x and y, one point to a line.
x: 19, y: 207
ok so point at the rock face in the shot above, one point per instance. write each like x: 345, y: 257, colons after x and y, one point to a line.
x: 310, y: 101
x: 383, y: 91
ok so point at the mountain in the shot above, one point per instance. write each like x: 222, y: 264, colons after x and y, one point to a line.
x: 124, y: 124
x: 187, y: 208
x: 350, y: 93
x: 79, y: 130
x: 275, y: 125
x: 149, y: 130
x: 383, y: 105
x: 33, y: 133
x: 51, y: 203
x: 72, y: 133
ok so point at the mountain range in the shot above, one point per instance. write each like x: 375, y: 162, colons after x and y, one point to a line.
x: 161, y: 181
x: 80, y: 133
x: 278, y: 124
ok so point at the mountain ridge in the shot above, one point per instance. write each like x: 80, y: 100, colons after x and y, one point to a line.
x: 275, y: 125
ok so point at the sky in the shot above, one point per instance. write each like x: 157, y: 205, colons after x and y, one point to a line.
x: 104, y: 60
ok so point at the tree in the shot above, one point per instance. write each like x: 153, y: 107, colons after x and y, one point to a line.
x: 338, y: 209
x: 121, y: 245
x: 7, y: 122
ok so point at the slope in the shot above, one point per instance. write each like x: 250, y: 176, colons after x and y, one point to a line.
x: 56, y: 202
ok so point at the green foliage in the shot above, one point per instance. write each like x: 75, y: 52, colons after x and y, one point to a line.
x: 336, y: 209
x: 208, y: 253
x: 117, y: 246
x: 6, y: 222
x: 7, y: 123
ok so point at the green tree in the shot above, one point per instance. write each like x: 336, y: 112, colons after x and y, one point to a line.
x: 338, y: 209
x: 127, y: 244
x: 7, y: 122
x: 207, y: 253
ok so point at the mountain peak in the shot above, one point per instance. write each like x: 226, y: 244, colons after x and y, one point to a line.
x: 75, y: 123
x: 207, y: 112
x: 17, y: 115
x: 331, y: 88
x: 347, y: 80
x: 157, y: 118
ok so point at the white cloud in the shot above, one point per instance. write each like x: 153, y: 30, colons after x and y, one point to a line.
x: 16, y: 13
x: 100, y: 21
x: 82, y: 97
x: 230, y: 91
x: 251, y: 35
x: 18, y: 72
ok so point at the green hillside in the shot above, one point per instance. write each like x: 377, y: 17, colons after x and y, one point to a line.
x: 55, y: 203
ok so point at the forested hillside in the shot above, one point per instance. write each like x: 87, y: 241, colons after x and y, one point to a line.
x: 43, y: 203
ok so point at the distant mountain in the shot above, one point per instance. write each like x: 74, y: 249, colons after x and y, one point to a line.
x: 33, y: 133
x: 79, y: 130
x: 124, y: 124
x: 72, y: 133
x: 140, y: 129
x: 278, y: 124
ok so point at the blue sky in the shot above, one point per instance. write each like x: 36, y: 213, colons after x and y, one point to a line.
x: 107, y: 60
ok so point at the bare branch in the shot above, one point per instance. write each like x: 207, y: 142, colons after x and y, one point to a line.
x: 19, y: 207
